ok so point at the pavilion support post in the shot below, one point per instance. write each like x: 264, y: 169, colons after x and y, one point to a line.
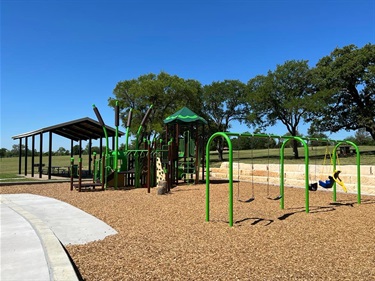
x: 20, y: 156
x: 32, y: 154
x: 80, y: 148
x: 71, y: 173
x: 71, y: 148
x: 50, y: 155
x: 40, y: 155
x: 26, y: 148
x: 80, y: 174
x: 90, y: 160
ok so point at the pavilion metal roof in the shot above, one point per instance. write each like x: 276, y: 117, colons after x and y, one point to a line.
x: 80, y: 129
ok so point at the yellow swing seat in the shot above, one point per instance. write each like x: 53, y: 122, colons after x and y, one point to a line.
x: 339, y: 181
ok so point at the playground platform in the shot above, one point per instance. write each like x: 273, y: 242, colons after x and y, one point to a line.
x: 34, y: 231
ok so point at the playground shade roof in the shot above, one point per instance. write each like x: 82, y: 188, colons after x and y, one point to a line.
x: 80, y: 129
x: 184, y: 115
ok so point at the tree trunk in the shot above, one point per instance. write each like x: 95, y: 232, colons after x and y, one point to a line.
x: 220, y: 150
x: 295, y: 149
x: 372, y: 132
x: 220, y: 153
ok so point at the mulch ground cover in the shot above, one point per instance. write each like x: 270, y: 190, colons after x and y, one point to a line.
x: 165, y: 237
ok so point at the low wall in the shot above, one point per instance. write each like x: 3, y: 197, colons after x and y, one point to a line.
x: 294, y: 175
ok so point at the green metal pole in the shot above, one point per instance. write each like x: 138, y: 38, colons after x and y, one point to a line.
x: 230, y: 207
x: 116, y: 144
x: 358, y: 162
x: 127, y: 130
x: 282, y: 174
x: 230, y: 180
x: 334, y: 156
x: 306, y: 148
x: 208, y: 179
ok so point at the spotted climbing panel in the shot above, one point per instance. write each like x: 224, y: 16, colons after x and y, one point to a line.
x: 160, y: 174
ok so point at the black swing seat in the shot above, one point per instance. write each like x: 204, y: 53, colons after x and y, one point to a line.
x: 247, y: 201
x: 313, y: 186
x: 276, y: 198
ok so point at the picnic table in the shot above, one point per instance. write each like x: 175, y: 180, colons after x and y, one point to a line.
x: 57, y: 170
x: 39, y: 166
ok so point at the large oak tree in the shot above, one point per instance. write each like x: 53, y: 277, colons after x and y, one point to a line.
x: 223, y: 103
x: 345, y: 82
x: 283, y: 95
x: 165, y: 92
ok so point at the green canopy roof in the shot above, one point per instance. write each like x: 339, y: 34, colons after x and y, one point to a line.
x: 184, y: 115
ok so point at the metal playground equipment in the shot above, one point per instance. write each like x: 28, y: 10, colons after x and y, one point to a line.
x: 172, y: 159
x: 281, y: 197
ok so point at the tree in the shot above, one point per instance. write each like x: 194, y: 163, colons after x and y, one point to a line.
x: 76, y: 149
x: 345, y: 83
x: 16, y: 149
x: 362, y: 137
x: 95, y: 149
x: 166, y: 93
x: 61, y: 151
x: 313, y: 132
x: 3, y: 152
x: 282, y: 95
x: 223, y: 103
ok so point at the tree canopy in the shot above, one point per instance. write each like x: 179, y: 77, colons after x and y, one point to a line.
x: 223, y: 102
x: 345, y: 82
x: 166, y: 93
x: 284, y: 95
x: 338, y: 93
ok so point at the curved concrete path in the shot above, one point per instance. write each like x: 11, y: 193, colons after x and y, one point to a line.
x: 33, y: 228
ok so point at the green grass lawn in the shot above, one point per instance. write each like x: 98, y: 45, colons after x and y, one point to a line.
x: 316, y: 156
x: 9, y: 166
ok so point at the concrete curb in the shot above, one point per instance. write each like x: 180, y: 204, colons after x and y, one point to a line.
x: 60, y: 267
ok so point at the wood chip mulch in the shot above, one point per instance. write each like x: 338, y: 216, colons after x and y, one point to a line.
x: 165, y: 237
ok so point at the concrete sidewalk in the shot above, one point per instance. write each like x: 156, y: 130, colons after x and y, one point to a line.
x: 32, y: 230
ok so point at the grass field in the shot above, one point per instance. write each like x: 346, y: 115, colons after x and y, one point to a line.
x: 316, y: 156
x: 9, y: 166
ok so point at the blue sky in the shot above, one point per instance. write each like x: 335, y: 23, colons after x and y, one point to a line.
x: 60, y: 57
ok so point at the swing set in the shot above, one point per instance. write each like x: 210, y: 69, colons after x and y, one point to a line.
x: 332, y: 179
x: 252, y: 198
x: 226, y: 136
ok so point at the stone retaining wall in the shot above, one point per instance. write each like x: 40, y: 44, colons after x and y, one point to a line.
x: 294, y: 175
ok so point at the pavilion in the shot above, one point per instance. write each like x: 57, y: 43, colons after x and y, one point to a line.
x: 84, y: 129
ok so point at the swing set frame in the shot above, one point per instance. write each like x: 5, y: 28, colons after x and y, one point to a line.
x: 228, y: 135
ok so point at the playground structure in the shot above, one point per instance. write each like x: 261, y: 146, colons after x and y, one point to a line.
x: 281, y: 197
x: 185, y: 132
x: 177, y: 157
x: 85, y: 185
